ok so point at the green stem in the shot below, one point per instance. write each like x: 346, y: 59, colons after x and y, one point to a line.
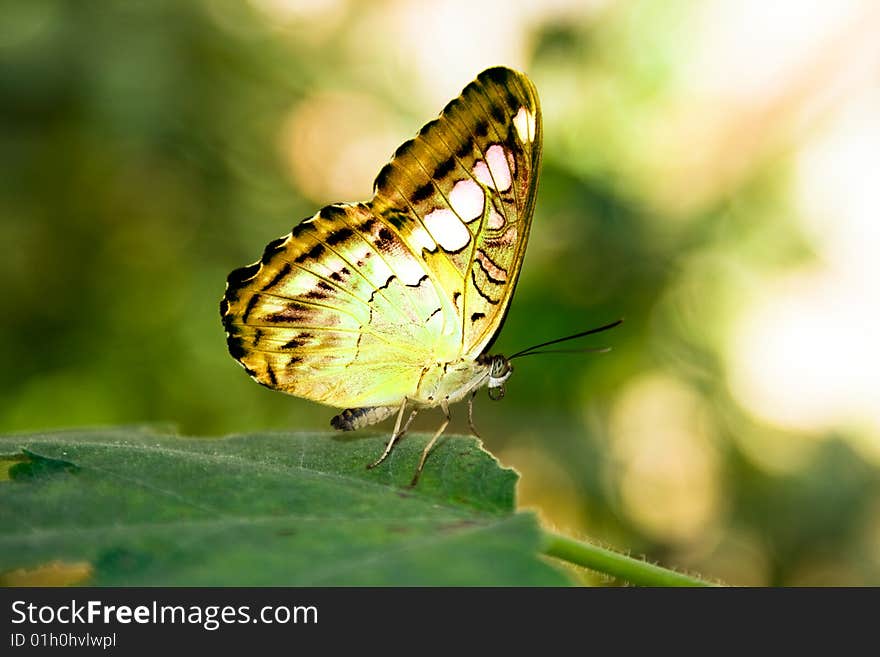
x: 634, y: 571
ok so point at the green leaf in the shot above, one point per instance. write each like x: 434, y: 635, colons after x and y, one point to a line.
x: 136, y: 507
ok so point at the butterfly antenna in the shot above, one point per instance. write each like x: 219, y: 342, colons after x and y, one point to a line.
x: 585, y: 350
x: 532, y: 350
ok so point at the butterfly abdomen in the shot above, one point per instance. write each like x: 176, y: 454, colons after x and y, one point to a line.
x: 352, y: 419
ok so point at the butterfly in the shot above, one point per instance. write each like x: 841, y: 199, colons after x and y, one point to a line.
x: 394, y: 303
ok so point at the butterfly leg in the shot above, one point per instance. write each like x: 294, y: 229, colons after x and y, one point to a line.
x: 396, y: 434
x: 445, y: 406
x: 474, y: 431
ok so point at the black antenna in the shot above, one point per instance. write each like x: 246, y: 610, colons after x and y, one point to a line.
x: 531, y: 350
x: 585, y: 350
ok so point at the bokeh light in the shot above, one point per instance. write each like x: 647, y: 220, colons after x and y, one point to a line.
x: 663, y: 464
x: 334, y: 143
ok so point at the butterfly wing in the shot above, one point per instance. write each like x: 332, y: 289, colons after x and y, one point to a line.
x: 354, y: 305
x: 462, y: 194
x: 338, y: 312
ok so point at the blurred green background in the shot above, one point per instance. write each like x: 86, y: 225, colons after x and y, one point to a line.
x: 711, y: 173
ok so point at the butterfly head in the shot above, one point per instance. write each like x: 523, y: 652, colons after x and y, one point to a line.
x: 500, y: 370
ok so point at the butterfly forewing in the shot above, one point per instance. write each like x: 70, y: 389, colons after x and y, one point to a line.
x: 461, y: 194
x: 352, y: 306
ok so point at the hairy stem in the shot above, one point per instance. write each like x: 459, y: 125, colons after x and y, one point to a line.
x: 634, y: 571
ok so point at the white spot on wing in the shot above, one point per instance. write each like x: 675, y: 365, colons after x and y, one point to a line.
x: 467, y: 199
x: 408, y: 270
x: 378, y: 271
x: 481, y: 173
x: 446, y: 228
x: 422, y: 240
x: 524, y: 122
x: 496, y: 221
x: 497, y: 161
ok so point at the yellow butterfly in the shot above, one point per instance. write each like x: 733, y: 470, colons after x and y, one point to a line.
x: 394, y: 303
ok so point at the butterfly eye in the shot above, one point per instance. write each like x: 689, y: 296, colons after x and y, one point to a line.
x: 500, y: 369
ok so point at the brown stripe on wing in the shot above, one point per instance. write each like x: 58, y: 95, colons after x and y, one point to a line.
x: 278, y: 312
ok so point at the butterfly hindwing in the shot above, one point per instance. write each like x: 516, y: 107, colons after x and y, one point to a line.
x: 333, y: 310
x: 356, y: 304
